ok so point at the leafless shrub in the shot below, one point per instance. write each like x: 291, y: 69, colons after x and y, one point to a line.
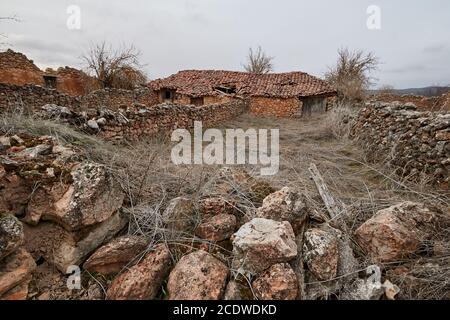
x: 340, y: 119
x: 351, y: 74
x: 115, y: 68
x: 386, y: 89
x: 258, y: 62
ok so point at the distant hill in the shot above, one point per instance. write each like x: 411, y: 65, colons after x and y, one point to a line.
x: 427, y: 91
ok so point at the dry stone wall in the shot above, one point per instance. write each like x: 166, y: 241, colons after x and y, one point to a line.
x: 417, y: 142
x: 32, y: 97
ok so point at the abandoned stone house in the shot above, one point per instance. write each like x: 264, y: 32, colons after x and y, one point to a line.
x: 274, y: 94
x: 17, y: 69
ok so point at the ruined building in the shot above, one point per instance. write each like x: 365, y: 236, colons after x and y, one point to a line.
x: 274, y: 94
x: 17, y: 69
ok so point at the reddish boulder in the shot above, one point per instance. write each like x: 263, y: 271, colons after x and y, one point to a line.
x: 197, y: 276
x: 142, y: 281
x: 279, y: 282
x: 114, y: 256
x: 217, y: 228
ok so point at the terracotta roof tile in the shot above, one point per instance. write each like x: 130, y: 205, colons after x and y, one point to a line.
x: 196, y: 83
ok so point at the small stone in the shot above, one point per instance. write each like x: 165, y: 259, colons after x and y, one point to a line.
x: 197, y: 276
x: 394, y: 233
x: 390, y: 290
x: 217, y: 228
x: 93, y: 125
x: 284, y: 205
x: 15, y: 269
x: 321, y: 253
x: 5, y: 143
x: 180, y: 215
x: 279, y: 282
x: 101, y: 121
x: 114, y: 256
x: 261, y: 243
x: 11, y: 234
x: 237, y: 291
x: 144, y: 280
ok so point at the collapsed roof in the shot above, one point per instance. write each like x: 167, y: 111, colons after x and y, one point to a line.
x: 198, y: 83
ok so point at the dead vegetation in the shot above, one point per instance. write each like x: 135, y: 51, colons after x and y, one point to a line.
x: 258, y: 62
x: 115, y: 67
x: 351, y: 74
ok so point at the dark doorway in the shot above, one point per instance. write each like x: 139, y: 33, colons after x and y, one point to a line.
x: 313, y: 105
x: 50, y: 81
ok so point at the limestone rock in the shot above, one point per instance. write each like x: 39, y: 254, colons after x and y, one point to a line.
x: 284, y: 205
x: 197, y: 276
x: 5, y: 143
x: 36, y: 151
x: 114, y: 256
x: 93, y: 125
x: 15, y: 269
x: 180, y: 215
x: 237, y: 291
x: 212, y: 206
x: 92, y: 198
x: 236, y: 181
x: 142, y: 281
x: 217, y: 228
x: 395, y: 232
x: 321, y: 253
x: 261, y: 243
x: 64, y: 248
x: 11, y: 234
x: 279, y: 282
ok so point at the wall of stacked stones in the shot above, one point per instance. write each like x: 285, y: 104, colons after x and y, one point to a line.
x: 276, y: 107
x: 418, y: 142
x: 32, y: 97
x: 136, y: 123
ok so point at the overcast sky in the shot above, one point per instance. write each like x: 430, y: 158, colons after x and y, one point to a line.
x: 413, y: 42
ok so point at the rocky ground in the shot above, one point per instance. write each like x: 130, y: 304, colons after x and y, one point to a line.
x: 139, y: 227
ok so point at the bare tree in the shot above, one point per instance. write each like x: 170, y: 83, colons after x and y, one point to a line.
x: 115, y: 68
x: 386, y: 89
x: 258, y: 62
x: 351, y: 75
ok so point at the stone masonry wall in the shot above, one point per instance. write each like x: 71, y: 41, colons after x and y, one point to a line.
x: 276, y: 107
x: 32, y: 98
x: 16, y: 68
x: 138, y: 122
x: 418, y: 142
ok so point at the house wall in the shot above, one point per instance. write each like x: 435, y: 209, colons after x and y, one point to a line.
x: 276, y: 107
x: 16, y: 68
x: 186, y: 100
x: 74, y: 82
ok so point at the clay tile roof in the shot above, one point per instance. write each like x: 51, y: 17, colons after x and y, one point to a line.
x: 197, y: 83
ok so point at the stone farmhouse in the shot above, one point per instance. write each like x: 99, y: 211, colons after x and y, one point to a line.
x: 17, y: 69
x: 274, y: 94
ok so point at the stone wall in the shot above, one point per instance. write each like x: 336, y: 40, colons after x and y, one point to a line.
x: 31, y: 98
x: 438, y: 103
x: 74, y: 82
x: 277, y: 107
x: 116, y: 99
x: 135, y: 123
x: 417, y: 142
x: 16, y: 68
